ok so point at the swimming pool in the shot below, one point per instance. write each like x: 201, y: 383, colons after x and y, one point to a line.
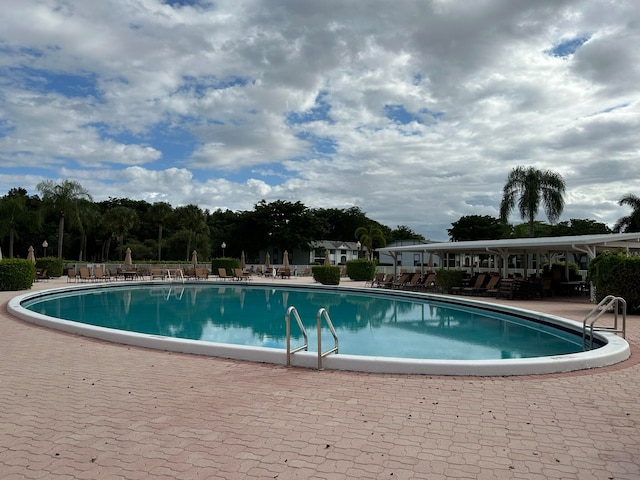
x: 390, y: 332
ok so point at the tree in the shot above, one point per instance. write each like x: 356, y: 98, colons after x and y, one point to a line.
x: 159, y: 213
x: 370, y: 236
x: 192, y: 219
x: 120, y: 220
x: 629, y: 223
x: 478, y: 227
x: 63, y: 198
x: 12, y: 209
x: 402, y: 232
x: 528, y: 187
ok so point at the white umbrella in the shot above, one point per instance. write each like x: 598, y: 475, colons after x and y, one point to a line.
x: 285, y: 259
x: 194, y: 258
x: 127, y: 258
x: 31, y: 255
x: 327, y: 260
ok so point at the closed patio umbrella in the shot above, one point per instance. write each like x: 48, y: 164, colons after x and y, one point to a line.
x: 31, y: 255
x: 194, y: 258
x: 285, y: 259
x: 267, y: 263
x: 128, y: 262
x: 243, y: 261
x: 327, y: 260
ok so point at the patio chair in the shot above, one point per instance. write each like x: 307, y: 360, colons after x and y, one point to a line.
x: 238, y: 274
x: 71, y: 275
x: 222, y: 274
x: 429, y: 282
x: 491, y: 285
x: 98, y: 275
x: 477, y: 285
x: 376, y: 280
x: 85, y: 276
x: 202, y: 273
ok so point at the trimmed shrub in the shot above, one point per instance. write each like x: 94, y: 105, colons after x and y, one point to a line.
x: 361, y: 269
x: 16, y: 274
x: 53, y: 266
x: 447, y: 279
x: 224, y: 262
x: 617, y: 274
x: 326, y: 275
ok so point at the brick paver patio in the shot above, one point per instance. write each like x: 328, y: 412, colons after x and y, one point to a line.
x: 77, y: 408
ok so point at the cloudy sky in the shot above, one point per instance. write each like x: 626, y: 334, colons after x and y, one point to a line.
x: 414, y: 111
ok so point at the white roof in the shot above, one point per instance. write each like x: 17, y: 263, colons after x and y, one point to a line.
x: 589, y: 244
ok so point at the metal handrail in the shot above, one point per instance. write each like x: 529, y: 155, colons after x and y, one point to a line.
x: 305, y: 346
x: 608, y: 302
x: 178, y: 273
x: 323, y: 312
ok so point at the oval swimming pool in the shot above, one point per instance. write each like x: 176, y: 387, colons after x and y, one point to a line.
x: 381, y: 328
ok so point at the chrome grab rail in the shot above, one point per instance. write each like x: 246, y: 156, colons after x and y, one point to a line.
x: 293, y: 310
x: 178, y: 273
x: 608, y: 302
x: 323, y: 312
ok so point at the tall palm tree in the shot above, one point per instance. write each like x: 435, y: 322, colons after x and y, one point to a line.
x: 370, y: 235
x: 193, y: 219
x: 63, y: 198
x: 120, y: 220
x: 159, y: 213
x: 528, y: 187
x: 629, y: 223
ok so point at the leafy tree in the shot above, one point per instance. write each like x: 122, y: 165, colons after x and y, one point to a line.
x: 370, y: 236
x: 402, y: 232
x: 12, y: 210
x: 478, y: 227
x: 191, y: 218
x: 629, y: 223
x: 577, y: 226
x: 159, y: 213
x: 528, y: 187
x: 89, y: 219
x: 63, y: 198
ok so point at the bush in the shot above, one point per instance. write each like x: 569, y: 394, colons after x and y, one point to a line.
x: 16, y: 274
x: 326, y: 275
x: 447, y: 279
x: 617, y: 274
x: 224, y: 262
x: 361, y: 269
x: 53, y: 266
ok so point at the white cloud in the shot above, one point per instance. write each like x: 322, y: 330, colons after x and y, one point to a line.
x: 188, y: 100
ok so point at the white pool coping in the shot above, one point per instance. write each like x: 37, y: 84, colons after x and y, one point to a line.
x: 614, y: 351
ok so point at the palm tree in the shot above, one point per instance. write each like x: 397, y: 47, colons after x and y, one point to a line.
x: 370, y: 235
x: 63, y: 198
x: 529, y: 187
x: 193, y: 219
x: 159, y: 213
x: 629, y: 223
x: 12, y: 210
x: 120, y: 220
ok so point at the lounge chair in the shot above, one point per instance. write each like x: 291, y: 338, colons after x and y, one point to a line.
x: 379, y: 278
x: 202, y: 273
x: 85, y: 276
x: 284, y: 272
x: 71, y: 275
x: 400, y: 282
x: 222, y: 274
x: 490, y: 287
x: 41, y: 275
x: 238, y: 274
x: 99, y: 276
x: 429, y: 282
x: 413, y: 283
x: 387, y: 282
x: 476, y: 286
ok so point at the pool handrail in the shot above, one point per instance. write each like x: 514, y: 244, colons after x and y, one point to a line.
x: 323, y: 313
x: 305, y: 346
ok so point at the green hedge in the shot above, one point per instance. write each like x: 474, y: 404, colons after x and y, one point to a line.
x: 326, y: 275
x: 617, y: 274
x: 224, y: 262
x: 53, y: 266
x: 16, y: 274
x: 361, y: 269
x: 447, y: 279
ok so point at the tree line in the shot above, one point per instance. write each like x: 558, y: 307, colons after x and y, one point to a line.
x: 75, y: 227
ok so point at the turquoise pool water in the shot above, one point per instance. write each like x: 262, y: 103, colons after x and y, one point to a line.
x: 371, y: 325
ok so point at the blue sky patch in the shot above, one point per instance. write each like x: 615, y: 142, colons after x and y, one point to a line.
x: 568, y: 47
x: 319, y: 145
x: 66, y: 84
x: 318, y: 113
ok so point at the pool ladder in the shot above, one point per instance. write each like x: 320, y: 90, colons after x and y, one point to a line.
x: 322, y: 313
x: 610, y: 302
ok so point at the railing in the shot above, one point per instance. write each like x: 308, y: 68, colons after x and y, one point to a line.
x: 292, y: 310
x: 178, y: 273
x: 610, y: 302
x: 323, y: 313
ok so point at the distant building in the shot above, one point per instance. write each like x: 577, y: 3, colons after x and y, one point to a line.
x: 409, y: 259
x: 339, y: 252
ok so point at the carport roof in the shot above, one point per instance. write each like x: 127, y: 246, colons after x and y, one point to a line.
x: 589, y: 244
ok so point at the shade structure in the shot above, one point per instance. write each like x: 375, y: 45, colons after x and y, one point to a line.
x: 327, y: 259
x: 285, y: 259
x: 31, y: 256
x: 243, y: 261
x: 127, y: 258
x: 267, y: 263
x: 194, y: 258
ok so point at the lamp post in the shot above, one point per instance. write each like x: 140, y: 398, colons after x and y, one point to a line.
x: 359, y: 245
x: 45, y: 244
x: 224, y: 245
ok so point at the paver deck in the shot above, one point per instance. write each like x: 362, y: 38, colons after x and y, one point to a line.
x: 77, y: 408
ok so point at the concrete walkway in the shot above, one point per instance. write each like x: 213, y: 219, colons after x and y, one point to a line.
x: 77, y: 408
